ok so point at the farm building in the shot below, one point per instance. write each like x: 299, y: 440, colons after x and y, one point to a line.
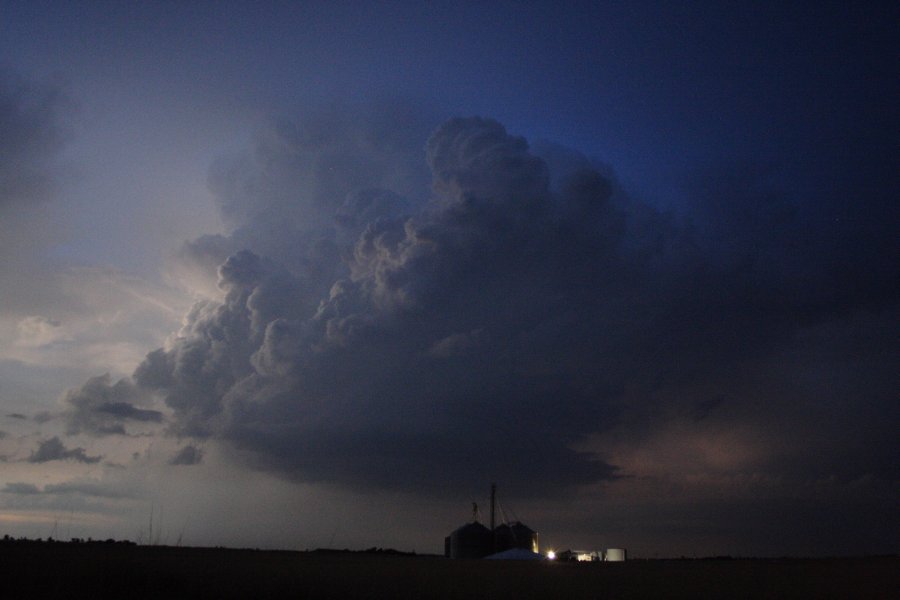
x: 512, y: 540
x: 579, y: 555
x: 610, y: 555
x: 474, y: 540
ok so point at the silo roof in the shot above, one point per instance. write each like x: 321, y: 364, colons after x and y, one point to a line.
x: 472, y: 527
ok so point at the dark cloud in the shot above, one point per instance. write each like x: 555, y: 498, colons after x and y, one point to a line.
x: 54, y: 449
x: 189, y: 455
x: 365, y: 383
x: 705, y: 407
x: 43, y: 416
x: 86, y: 488
x: 31, y: 132
x: 101, y: 407
x: 83, y: 487
x: 372, y: 337
x: 16, y: 416
x: 20, y: 488
x: 123, y: 410
x: 34, y: 121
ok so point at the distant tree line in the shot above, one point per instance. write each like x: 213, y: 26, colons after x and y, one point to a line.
x: 372, y: 550
x: 9, y: 540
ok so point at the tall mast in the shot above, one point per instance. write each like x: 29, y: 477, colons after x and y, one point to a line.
x: 493, y: 503
x: 493, y: 509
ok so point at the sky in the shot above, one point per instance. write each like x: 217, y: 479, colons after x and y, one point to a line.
x: 315, y: 274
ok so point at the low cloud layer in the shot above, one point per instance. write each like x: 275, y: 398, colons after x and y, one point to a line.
x: 53, y: 449
x: 101, y: 407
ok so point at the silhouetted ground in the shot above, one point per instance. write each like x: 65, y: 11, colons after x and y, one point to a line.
x: 107, y: 570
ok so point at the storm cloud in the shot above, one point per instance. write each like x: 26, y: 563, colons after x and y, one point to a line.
x: 509, y: 324
x: 372, y: 379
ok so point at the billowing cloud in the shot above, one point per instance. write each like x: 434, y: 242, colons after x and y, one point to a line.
x: 365, y: 380
x: 524, y: 321
x: 54, y: 449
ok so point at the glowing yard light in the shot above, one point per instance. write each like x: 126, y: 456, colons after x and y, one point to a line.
x: 551, y: 555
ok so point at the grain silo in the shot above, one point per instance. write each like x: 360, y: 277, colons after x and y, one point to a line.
x: 472, y: 540
x: 515, y: 535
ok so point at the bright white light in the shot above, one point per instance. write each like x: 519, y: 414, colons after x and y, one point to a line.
x: 551, y: 555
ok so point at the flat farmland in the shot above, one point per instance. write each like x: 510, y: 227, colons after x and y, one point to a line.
x: 126, y: 571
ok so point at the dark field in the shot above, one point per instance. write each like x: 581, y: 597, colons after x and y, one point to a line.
x: 120, y: 571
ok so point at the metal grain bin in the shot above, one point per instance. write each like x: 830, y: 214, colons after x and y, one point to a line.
x: 615, y: 554
x: 515, y: 535
x: 472, y: 540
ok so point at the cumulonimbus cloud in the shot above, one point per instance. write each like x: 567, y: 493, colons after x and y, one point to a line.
x: 372, y: 337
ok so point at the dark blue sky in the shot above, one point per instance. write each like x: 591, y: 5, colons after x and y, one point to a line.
x: 654, y: 89
x: 302, y: 277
